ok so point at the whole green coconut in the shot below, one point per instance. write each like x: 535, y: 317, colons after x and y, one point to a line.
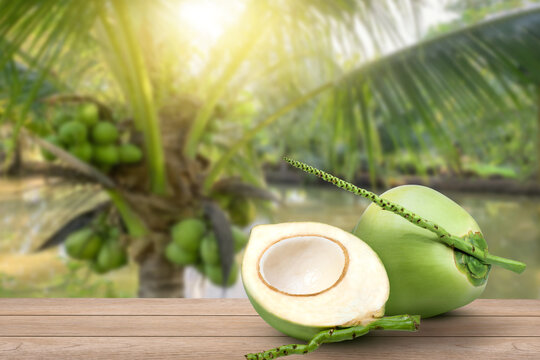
x: 104, y: 133
x: 177, y: 255
x: 240, y: 238
x: 72, y: 133
x: 209, y: 250
x: 129, y: 154
x: 423, y: 273
x: 111, y: 255
x: 215, y: 275
x: 105, y: 155
x: 188, y: 234
x: 83, y: 244
x: 83, y: 151
x: 88, y: 115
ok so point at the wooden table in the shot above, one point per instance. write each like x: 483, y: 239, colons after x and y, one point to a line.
x: 229, y: 328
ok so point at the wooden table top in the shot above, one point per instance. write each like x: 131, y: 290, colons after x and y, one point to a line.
x: 229, y: 328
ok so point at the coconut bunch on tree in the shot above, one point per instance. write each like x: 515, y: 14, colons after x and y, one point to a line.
x: 184, y: 227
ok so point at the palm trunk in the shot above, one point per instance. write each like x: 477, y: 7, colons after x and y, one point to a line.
x: 158, y: 278
x: 538, y: 134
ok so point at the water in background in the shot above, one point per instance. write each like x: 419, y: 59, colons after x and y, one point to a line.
x: 30, y: 212
x: 510, y: 224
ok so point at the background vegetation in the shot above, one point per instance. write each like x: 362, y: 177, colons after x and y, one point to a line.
x: 214, y: 93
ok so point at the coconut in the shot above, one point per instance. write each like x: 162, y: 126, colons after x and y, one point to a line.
x: 111, y: 256
x: 177, y: 255
x: 104, y: 133
x: 426, y: 276
x: 72, y: 132
x: 105, y: 154
x: 83, y: 244
x: 88, y: 114
x: 215, y: 274
x: 83, y: 151
x: 209, y: 249
x: 305, y: 277
x: 129, y: 154
x: 188, y: 234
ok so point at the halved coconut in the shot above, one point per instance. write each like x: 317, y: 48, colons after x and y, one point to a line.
x: 304, y: 277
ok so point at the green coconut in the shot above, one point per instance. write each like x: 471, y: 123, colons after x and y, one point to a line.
x: 104, y: 133
x: 177, y: 255
x: 188, y: 234
x: 72, y: 132
x: 88, y: 114
x: 240, y: 238
x: 129, y: 154
x: 435, y: 254
x: 426, y: 276
x: 83, y: 151
x: 305, y: 277
x: 215, y: 274
x: 112, y: 255
x: 105, y: 155
x: 209, y: 250
x: 83, y: 244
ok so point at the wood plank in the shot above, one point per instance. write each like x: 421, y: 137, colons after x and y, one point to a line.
x: 226, y: 348
x: 247, y: 326
x: 128, y: 306
x: 499, y: 307
x: 218, y: 307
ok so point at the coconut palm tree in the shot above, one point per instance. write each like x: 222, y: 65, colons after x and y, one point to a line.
x: 196, y: 109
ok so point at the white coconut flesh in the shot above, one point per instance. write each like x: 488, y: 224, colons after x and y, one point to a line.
x: 314, y: 275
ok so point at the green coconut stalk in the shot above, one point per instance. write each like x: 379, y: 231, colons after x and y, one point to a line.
x: 400, y: 322
x: 462, y: 243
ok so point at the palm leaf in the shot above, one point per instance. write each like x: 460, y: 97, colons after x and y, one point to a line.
x: 440, y: 78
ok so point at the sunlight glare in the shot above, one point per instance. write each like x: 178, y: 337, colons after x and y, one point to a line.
x: 207, y: 18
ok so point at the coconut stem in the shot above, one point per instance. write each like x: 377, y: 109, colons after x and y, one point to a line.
x: 399, y: 322
x: 443, y: 235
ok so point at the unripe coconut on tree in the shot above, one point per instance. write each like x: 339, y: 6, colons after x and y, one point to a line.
x: 88, y: 114
x: 83, y: 151
x: 72, y: 133
x: 104, y: 133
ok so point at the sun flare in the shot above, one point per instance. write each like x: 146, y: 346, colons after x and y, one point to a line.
x: 207, y: 18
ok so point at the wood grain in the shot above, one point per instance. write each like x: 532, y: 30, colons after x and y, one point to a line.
x: 223, y: 348
x: 480, y: 307
x: 229, y: 328
x: 248, y: 326
x: 126, y: 307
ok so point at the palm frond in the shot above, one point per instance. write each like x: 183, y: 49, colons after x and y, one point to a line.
x: 447, y: 82
x: 427, y: 96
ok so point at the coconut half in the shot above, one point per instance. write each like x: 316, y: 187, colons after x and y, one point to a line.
x: 304, y: 277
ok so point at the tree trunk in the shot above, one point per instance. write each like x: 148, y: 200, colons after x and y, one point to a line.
x: 538, y: 134
x: 158, y: 278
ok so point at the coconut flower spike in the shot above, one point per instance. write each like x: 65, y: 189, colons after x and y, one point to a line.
x: 399, y: 322
x: 444, y: 236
